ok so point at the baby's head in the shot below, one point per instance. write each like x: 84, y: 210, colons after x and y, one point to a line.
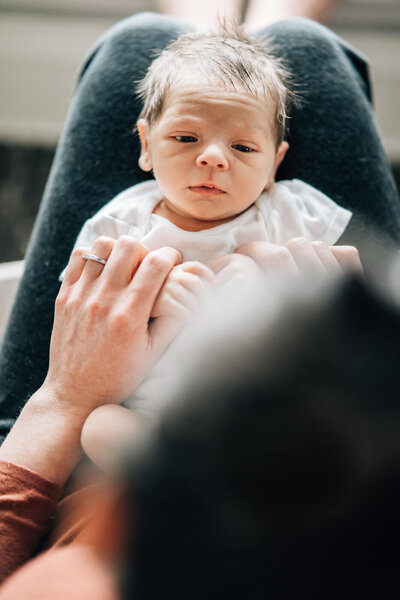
x: 212, y: 126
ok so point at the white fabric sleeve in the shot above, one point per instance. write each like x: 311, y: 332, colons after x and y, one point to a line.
x: 123, y: 215
x: 293, y: 208
x: 100, y: 224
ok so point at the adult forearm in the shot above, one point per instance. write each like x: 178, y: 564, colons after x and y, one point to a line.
x: 44, y: 438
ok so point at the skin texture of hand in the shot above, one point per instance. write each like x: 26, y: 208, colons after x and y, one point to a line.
x: 300, y: 256
x: 182, y: 293
x: 283, y: 264
x: 101, y: 325
x: 102, y: 346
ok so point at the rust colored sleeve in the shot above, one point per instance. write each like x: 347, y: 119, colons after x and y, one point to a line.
x: 27, y: 503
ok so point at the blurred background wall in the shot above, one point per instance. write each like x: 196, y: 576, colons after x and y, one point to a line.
x: 43, y: 42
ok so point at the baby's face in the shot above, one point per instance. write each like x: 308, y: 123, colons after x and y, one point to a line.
x: 212, y: 153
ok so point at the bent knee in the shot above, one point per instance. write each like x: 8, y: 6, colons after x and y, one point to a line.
x: 149, y: 28
x: 301, y: 34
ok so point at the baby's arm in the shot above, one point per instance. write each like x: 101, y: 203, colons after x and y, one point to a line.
x: 110, y: 427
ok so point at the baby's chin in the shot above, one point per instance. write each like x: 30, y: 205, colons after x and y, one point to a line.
x: 204, y: 214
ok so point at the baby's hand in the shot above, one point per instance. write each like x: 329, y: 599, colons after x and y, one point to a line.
x: 234, y: 271
x: 183, y: 291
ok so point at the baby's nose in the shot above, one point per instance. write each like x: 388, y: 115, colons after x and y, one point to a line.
x: 212, y: 156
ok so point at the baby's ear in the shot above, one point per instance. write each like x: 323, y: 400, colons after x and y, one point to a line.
x: 280, y: 155
x: 145, y: 158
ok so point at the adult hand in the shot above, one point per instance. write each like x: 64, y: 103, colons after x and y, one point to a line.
x: 301, y: 257
x: 102, y: 346
x: 295, y: 259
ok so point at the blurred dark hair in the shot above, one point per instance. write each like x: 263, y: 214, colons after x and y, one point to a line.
x: 276, y: 473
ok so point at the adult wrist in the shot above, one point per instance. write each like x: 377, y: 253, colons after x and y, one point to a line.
x: 45, y: 437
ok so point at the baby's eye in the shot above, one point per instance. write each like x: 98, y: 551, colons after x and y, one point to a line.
x: 185, y: 139
x: 242, y: 148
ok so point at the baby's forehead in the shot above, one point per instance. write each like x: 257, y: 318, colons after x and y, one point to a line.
x: 202, y: 96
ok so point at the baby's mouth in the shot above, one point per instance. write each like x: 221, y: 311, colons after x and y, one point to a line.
x: 207, y: 189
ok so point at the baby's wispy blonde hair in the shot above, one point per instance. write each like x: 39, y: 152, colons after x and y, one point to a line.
x: 229, y: 59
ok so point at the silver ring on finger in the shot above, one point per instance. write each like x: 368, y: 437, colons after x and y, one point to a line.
x: 95, y: 258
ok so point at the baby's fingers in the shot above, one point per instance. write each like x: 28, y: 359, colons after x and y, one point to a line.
x: 193, y: 284
x: 234, y: 267
x: 182, y: 306
x: 196, y: 268
x: 178, y: 301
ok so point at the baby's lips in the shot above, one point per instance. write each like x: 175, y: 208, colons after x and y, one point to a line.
x: 207, y: 188
x: 209, y: 184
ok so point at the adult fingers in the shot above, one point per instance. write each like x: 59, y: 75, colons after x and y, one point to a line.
x: 75, y: 267
x: 102, y: 248
x: 123, y: 261
x: 348, y: 258
x: 150, y: 277
x: 305, y: 256
x: 327, y: 257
